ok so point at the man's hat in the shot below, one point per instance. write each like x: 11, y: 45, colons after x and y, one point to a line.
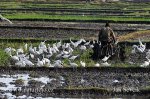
x: 107, y: 24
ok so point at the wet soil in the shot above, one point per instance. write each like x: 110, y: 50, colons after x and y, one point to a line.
x: 84, y: 82
x: 62, y: 30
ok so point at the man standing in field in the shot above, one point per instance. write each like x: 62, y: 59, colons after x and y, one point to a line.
x: 107, y: 38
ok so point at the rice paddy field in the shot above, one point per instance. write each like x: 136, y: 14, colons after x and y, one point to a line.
x: 49, y: 30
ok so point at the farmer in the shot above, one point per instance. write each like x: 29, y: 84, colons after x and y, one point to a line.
x: 107, y: 38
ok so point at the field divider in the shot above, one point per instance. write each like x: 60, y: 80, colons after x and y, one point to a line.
x: 97, y: 69
x: 76, y: 20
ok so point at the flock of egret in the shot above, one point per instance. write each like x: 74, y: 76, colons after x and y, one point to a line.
x: 52, y: 55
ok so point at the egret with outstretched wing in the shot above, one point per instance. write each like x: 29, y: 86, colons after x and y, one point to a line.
x: 5, y: 19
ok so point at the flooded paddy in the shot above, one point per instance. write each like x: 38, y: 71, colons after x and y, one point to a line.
x: 68, y: 83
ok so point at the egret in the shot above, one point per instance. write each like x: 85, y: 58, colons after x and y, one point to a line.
x: 73, y: 57
x: 73, y: 64
x: 70, y: 49
x: 146, y: 63
x: 105, y: 64
x: 15, y: 57
x: 93, y: 41
x: 31, y: 55
x: 97, y: 65
x: 20, y: 50
x: 5, y: 19
x: 55, y: 47
x: 82, y: 47
x: 59, y: 44
x: 148, y: 54
x: 82, y: 63
x: 58, y: 63
x: 66, y: 56
x: 42, y: 44
x: 115, y: 81
x: 46, y: 61
x: 106, y: 58
x: 83, y: 40
x: 29, y: 63
x: 20, y: 63
x: 26, y: 47
x: 76, y: 43
x: 87, y: 43
x: 141, y: 48
x: 91, y: 46
x: 65, y: 52
x: 40, y: 63
x: 8, y: 50
x: 116, y: 42
x: 133, y: 49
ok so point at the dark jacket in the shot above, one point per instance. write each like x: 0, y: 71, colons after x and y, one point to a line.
x: 106, y: 34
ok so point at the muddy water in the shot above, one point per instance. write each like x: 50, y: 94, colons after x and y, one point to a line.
x: 74, y: 83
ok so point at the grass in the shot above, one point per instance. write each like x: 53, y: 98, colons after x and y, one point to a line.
x: 4, y: 58
x: 135, y: 35
x: 120, y: 6
x: 109, y: 6
x: 72, y: 17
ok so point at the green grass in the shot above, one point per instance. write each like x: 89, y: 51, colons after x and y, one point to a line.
x: 4, y: 58
x: 120, y: 6
x: 72, y: 17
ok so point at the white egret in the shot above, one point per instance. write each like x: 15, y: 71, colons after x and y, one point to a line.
x: 26, y: 47
x: 15, y: 57
x: 31, y: 55
x: 141, y: 48
x: 76, y: 43
x: 73, y: 64
x: 82, y: 47
x: 59, y: 44
x: 40, y: 63
x: 91, y: 46
x: 58, y: 63
x: 97, y: 65
x: 8, y: 50
x: 87, y: 43
x: 20, y: 63
x: 105, y: 64
x: 106, y: 58
x: 5, y: 19
x: 82, y: 63
x: 29, y: 63
x: 117, y: 41
x: 46, y: 61
x: 73, y: 57
x: 55, y: 47
x: 31, y: 50
x: 66, y: 56
x: 115, y: 81
x: 146, y: 63
x: 20, y: 50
